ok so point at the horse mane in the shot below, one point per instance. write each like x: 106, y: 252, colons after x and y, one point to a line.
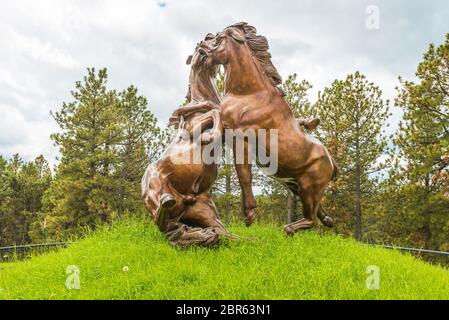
x: 258, y: 45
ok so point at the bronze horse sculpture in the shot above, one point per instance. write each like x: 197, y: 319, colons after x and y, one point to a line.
x: 253, y: 101
x: 177, y: 194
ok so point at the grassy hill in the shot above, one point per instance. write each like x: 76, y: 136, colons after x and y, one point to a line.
x: 306, y: 266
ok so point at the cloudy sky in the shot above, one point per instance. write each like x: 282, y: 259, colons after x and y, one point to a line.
x: 45, y: 46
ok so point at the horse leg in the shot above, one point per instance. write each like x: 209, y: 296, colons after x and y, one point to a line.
x: 187, y: 111
x: 245, y: 180
x: 181, y: 235
x: 157, y: 195
x: 211, y: 119
x: 312, y: 184
x: 329, y: 166
x: 166, y: 202
x: 203, y: 213
x: 310, y: 198
x: 199, y: 225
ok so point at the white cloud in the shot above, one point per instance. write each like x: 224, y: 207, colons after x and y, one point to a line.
x: 46, y: 46
x: 28, y: 138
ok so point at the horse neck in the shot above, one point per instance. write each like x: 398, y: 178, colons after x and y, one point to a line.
x: 242, y: 73
x: 203, y: 86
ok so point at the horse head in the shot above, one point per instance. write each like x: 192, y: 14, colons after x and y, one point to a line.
x: 245, y: 56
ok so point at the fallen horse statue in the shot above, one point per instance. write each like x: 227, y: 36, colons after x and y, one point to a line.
x: 177, y: 192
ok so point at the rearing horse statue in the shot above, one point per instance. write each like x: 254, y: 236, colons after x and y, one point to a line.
x: 252, y: 101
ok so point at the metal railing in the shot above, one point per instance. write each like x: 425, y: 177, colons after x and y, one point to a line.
x: 64, y: 244
x: 33, y: 245
x: 414, y: 250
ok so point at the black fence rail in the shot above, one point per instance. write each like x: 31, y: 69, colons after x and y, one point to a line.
x: 24, y: 247
x: 32, y: 245
x: 19, y: 251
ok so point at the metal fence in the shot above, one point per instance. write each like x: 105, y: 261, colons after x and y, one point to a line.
x: 33, y: 245
x: 64, y: 244
x: 20, y: 250
x: 417, y: 250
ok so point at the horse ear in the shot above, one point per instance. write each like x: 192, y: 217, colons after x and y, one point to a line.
x: 209, y: 36
x: 238, y: 36
x: 189, y: 60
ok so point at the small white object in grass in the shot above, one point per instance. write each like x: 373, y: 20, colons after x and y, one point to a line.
x: 125, y: 269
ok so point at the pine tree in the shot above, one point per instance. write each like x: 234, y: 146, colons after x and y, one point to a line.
x: 83, y: 189
x: 4, y: 195
x: 353, y: 115
x: 22, y: 186
x: 139, y: 144
x: 422, y: 142
x: 333, y: 132
x: 296, y: 95
x: 107, y: 140
x: 423, y: 136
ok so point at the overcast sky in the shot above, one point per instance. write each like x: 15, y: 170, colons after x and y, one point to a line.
x: 45, y: 46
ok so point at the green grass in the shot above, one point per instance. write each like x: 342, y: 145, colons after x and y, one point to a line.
x: 306, y: 266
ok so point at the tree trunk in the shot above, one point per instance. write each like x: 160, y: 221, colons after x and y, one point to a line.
x: 358, y: 205
x: 122, y: 188
x: 427, y: 217
x: 121, y: 205
x: 358, y: 192
x: 242, y: 204
x: 228, y: 196
x: 291, y: 207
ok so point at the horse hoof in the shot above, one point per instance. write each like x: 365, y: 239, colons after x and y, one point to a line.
x: 289, y: 230
x: 250, y: 217
x: 167, y: 201
x: 303, y: 224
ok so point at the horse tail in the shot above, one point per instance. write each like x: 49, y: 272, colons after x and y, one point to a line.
x: 324, y: 218
x: 336, y: 171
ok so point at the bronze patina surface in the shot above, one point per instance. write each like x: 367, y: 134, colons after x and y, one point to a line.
x: 177, y: 194
x: 252, y: 100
